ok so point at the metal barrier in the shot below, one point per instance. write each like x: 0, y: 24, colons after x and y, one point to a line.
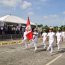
x: 10, y: 36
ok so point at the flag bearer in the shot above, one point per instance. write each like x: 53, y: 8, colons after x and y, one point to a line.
x: 51, y: 37
x: 28, y: 34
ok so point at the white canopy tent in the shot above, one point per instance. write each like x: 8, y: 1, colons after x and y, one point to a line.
x: 12, y: 19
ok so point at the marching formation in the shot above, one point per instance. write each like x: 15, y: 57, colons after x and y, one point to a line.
x: 51, y: 37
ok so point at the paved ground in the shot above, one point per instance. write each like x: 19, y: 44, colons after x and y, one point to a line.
x: 16, y: 55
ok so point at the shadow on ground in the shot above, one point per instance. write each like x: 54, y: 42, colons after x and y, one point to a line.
x: 62, y: 50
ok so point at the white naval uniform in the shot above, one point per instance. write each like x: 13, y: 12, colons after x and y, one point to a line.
x: 59, y: 39
x: 44, y: 35
x: 24, y: 39
x: 63, y: 35
x: 51, y: 36
x: 35, y: 39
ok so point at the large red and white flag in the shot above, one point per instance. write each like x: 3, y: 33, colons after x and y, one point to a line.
x: 29, y: 30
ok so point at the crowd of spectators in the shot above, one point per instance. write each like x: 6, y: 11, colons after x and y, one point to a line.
x: 11, y: 30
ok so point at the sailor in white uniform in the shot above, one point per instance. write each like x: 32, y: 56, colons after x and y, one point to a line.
x: 63, y: 35
x: 24, y: 41
x: 44, y: 36
x: 59, y: 38
x: 35, y: 38
x: 51, y: 37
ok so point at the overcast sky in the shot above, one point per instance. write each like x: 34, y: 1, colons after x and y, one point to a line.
x: 46, y: 12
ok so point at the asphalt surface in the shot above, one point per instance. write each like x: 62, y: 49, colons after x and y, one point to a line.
x: 17, y: 55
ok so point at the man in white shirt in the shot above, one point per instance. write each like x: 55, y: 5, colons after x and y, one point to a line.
x: 44, y: 36
x: 59, y: 38
x: 51, y: 37
x: 24, y: 41
x: 34, y: 41
x: 63, y: 35
x: 35, y: 38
